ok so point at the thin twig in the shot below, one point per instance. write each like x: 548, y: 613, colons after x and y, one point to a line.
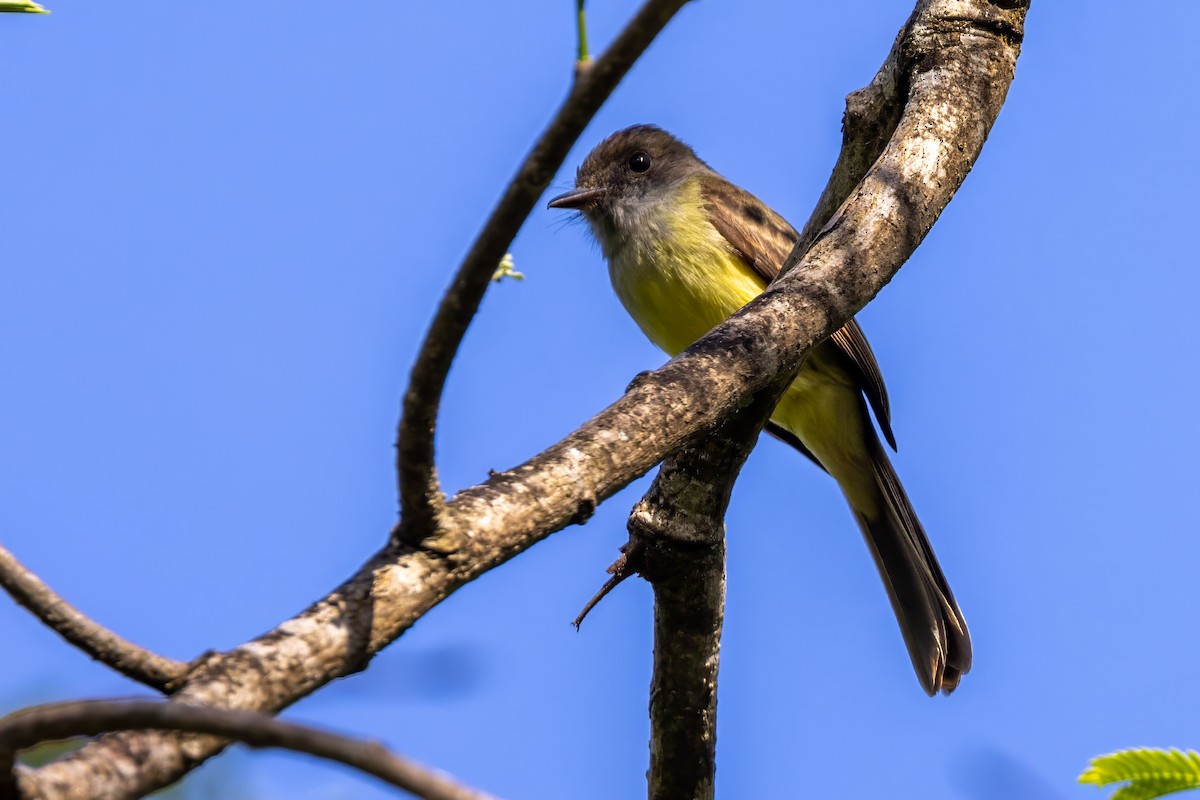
x: 583, y: 56
x: 89, y: 636
x: 627, y: 565
x: 31, y: 726
x: 420, y: 498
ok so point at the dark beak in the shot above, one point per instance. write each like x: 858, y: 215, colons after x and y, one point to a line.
x: 581, y: 199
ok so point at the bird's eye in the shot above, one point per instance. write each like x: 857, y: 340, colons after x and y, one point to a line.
x: 639, y: 162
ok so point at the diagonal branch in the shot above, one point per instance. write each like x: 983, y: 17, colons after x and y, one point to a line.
x: 420, y: 498
x: 956, y: 62
x: 125, y: 657
x: 31, y: 726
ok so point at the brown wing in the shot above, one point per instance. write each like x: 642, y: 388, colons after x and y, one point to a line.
x: 757, y: 234
x: 763, y: 239
x: 850, y: 340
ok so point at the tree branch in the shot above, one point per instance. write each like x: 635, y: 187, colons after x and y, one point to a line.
x: 137, y: 663
x: 956, y: 62
x: 678, y: 530
x: 32, y: 726
x: 689, y: 608
x: 420, y: 498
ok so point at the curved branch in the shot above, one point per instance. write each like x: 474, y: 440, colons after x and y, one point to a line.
x: 31, y: 726
x: 420, y: 498
x: 125, y: 657
x: 956, y: 61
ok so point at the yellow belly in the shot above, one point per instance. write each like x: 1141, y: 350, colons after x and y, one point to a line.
x: 676, y: 298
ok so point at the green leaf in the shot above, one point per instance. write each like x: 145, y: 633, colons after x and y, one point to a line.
x: 1151, y: 772
x: 1148, y: 790
x: 23, y: 6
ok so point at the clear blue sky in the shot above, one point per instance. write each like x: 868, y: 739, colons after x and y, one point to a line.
x: 225, y: 228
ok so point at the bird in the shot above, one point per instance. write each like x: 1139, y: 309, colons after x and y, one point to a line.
x: 687, y: 248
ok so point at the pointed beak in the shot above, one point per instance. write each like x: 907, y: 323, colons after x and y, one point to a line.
x: 581, y: 199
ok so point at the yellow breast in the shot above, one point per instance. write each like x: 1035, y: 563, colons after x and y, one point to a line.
x: 677, y: 277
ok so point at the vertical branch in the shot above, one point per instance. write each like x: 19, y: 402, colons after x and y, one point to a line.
x: 421, y: 500
x: 689, y: 609
x: 677, y: 542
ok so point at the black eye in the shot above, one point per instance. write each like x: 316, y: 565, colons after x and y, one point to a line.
x: 639, y: 162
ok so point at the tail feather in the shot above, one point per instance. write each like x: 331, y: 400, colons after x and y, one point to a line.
x: 824, y: 415
x: 931, y: 622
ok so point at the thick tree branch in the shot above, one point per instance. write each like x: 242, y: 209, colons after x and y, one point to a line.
x: 32, y: 726
x: 89, y: 636
x: 420, y: 498
x: 956, y: 60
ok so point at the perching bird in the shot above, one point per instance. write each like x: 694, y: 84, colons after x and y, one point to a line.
x: 686, y: 249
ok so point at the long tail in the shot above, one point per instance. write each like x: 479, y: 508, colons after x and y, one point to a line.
x: 824, y: 414
x: 930, y: 620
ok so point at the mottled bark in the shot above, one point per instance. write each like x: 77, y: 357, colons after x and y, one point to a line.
x: 677, y: 542
x: 954, y: 64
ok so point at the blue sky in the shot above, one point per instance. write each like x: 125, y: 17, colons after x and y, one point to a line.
x: 226, y: 228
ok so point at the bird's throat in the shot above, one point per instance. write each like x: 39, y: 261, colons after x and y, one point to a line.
x: 673, y: 272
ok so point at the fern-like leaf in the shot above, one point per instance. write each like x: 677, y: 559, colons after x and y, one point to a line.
x: 1148, y: 790
x: 23, y: 6
x: 1151, y: 772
